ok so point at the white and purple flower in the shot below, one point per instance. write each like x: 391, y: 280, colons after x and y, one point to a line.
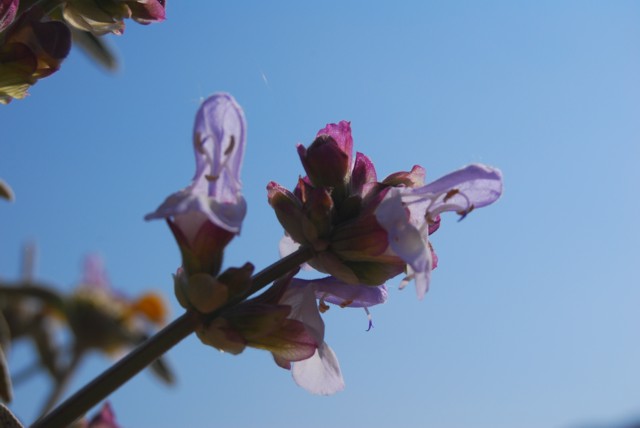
x: 208, y: 213
x: 410, y: 214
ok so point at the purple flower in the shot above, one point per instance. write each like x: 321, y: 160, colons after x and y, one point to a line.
x: 365, y: 231
x: 410, y: 214
x: 320, y: 373
x: 207, y: 214
x: 286, y: 321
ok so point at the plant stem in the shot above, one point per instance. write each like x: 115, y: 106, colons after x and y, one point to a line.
x: 147, y: 352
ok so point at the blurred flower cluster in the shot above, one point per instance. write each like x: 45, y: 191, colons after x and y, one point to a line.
x: 36, y: 36
x: 65, y: 327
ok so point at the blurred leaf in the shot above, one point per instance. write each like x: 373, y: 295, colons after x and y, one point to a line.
x: 161, y: 369
x: 5, y: 380
x: 42, y: 336
x: 95, y: 48
x: 42, y: 293
x: 7, y: 419
x: 5, y: 191
x: 5, y: 333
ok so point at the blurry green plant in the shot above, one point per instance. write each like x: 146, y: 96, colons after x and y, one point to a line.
x: 36, y: 36
x: 65, y: 327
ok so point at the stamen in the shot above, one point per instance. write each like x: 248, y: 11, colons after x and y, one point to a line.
x: 463, y: 214
x: 232, y: 144
x: 197, y: 143
x: 369, y: 317
x: 346, y: 303
x: 322, y: 306
x: 405, y: 281
x: 450, y: 194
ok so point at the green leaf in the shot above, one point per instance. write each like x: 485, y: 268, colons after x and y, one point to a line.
x: 161, y: 369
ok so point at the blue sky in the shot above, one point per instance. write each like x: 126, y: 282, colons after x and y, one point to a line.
x: 532, y: 318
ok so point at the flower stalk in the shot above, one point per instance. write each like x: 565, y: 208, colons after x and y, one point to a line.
x: 147, y: 352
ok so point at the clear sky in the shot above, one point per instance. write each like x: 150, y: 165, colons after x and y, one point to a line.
x: 532, y: 319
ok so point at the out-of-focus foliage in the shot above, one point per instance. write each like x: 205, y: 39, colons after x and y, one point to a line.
x: 35, y: 37
x: 5, y: 191
x: 94, y: 317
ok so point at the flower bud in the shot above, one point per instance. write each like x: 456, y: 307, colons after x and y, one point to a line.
x: 8, y: 9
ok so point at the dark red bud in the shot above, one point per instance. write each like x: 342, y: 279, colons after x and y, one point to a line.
x: 326, y: 164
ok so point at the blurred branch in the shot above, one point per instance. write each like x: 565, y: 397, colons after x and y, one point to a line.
x: 30, y: 289
x: 29, y: 259
x: 62, y: 382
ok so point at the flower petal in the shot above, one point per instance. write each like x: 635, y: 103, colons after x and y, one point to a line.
x: 288, y: 246
x: 304, y: 309
x: 147, y: 11
x: 405, y: 239
x: 219, y: 141
x: 413, y: 178
x: 473, y: 186
x: 219, y: 136
x: 341, y: 133
x: 319, y: 374
x: 363, y: 176
x: 342, y: 294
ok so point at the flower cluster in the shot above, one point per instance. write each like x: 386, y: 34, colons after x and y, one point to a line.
x: 365, y: 231
x: 359, y: 230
